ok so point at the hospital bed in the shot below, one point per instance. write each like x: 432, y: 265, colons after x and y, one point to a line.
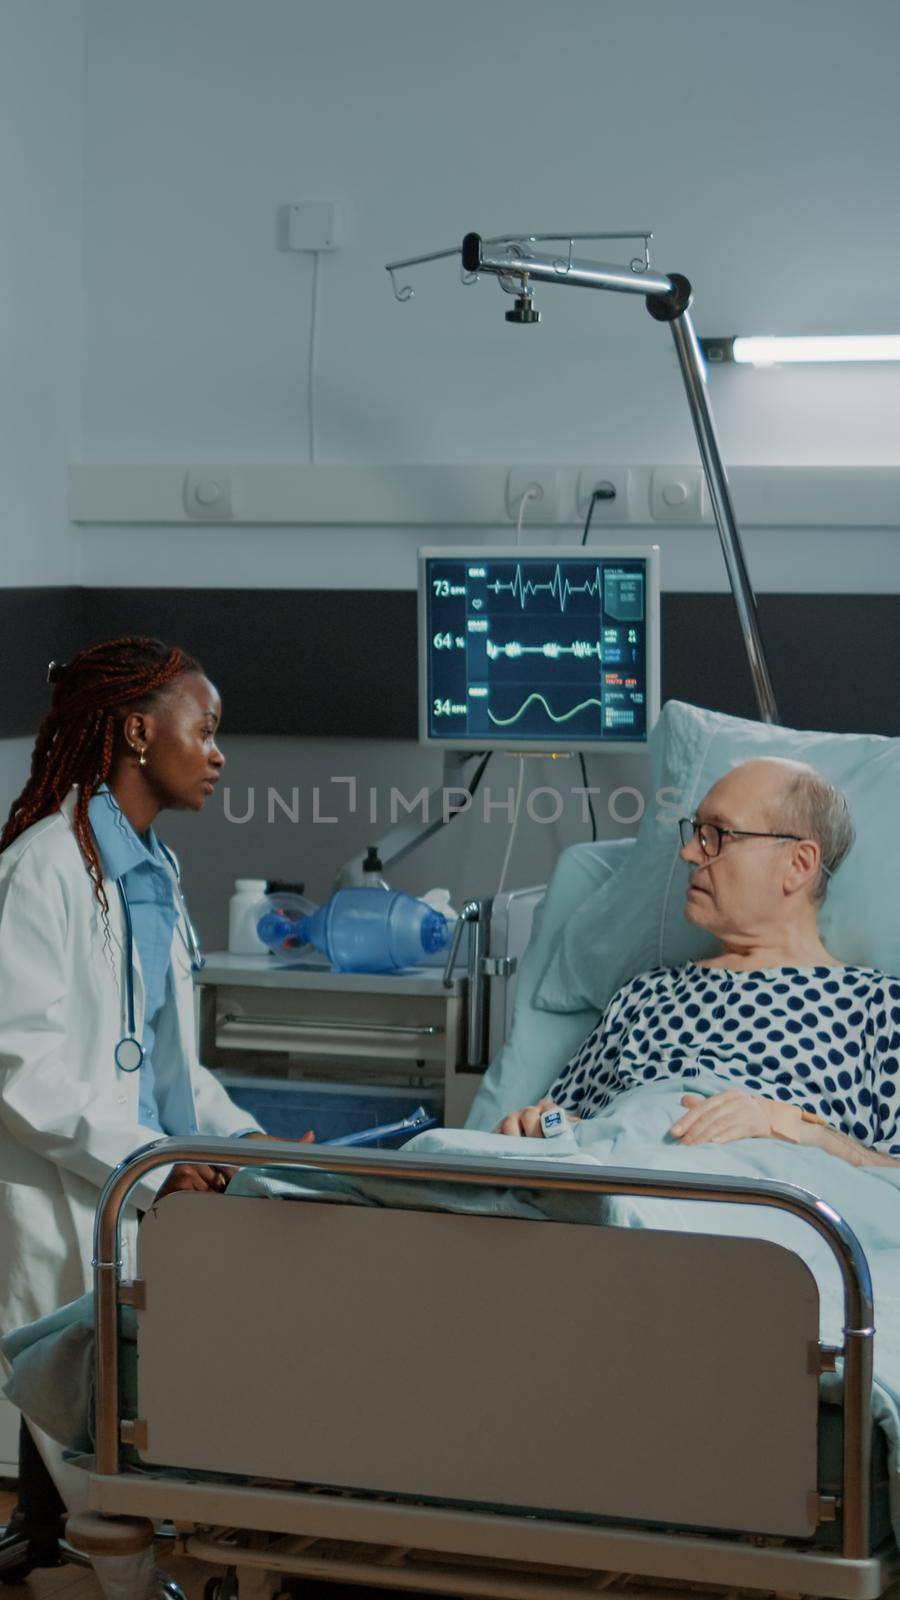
x: 478, y: 1404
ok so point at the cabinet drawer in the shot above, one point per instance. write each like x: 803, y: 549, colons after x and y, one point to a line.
x: 309, y: 1023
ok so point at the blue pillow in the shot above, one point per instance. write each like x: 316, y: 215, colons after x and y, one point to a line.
x: 636, y: 921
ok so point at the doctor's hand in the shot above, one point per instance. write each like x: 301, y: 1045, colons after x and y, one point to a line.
x: 719, y: 1118
x: 272, y: 1138
x: 198, y: 1178
x: 526, y: 1124
x: 266, y: 1138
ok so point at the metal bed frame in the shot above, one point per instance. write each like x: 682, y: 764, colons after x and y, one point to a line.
x: 477, y: 1550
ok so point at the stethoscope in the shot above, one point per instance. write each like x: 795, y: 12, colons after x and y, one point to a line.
x: 129, y: 1052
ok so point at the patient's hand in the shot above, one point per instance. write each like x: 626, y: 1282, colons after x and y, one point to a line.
x: 525, y: 1124
x: 719, y: 1118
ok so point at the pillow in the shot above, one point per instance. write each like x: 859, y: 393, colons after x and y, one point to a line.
x: 636, y: 921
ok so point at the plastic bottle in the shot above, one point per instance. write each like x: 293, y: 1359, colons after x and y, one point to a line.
x: 362, y: 872
x: 364, y: 930
x: 243, y: 939
x: 372, y: 870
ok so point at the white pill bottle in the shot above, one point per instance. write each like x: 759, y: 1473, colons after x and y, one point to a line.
x: 243, y: 913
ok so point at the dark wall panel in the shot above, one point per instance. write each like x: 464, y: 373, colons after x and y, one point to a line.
x: 312, y: 661
x: 342, y: 663
x: 36, y: 626
x: 834, y: 659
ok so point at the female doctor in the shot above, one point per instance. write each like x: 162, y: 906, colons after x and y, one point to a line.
x: 97, y: 1040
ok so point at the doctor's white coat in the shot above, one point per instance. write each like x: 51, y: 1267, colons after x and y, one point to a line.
x: 67, y: 1114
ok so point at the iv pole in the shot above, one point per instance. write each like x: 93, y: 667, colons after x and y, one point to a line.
x: 667, y: 300
x: 514, y: 261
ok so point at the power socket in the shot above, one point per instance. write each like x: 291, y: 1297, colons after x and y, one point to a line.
x: 544, y: 506
x: 207, y: 494
x: 678, y: 494
x: 614, y: 509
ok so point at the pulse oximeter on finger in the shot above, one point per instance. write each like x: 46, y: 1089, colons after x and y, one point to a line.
x: 553, y: 1122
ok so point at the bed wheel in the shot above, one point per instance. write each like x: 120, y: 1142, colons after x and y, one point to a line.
x: 222, y: 1588
x: 168, y: 1589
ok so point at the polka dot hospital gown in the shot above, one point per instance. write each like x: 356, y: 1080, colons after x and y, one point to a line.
x: 824, y: 1038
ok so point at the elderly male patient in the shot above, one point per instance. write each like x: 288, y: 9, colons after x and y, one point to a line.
x: 808, y: 1049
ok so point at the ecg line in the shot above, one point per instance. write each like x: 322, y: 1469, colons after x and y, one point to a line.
x: 558, y: 586
x: 581, y: 649
x: 504, y: 722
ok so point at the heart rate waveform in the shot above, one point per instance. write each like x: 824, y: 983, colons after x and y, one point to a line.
x: 564, y: 716
x: 581, y: 649
x: 559, y: 588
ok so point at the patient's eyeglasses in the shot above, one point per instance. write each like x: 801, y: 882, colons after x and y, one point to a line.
x: 710, y: 835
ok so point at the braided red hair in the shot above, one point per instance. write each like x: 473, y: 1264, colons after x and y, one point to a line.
x: 75, y: 743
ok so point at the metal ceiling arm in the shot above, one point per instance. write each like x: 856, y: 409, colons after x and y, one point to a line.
x: 513, y: 259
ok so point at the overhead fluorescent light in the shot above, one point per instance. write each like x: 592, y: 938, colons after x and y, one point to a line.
x: 777, y: 351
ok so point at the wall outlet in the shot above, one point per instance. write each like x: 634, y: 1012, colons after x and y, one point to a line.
x: 544, y: 506
x: 310, y: 225
x: 207, y: 494
x: 614, y: 509
x: 678, y: 494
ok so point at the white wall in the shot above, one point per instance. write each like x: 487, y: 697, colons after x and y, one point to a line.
x: 220, y: 845
x: 758, y: 142
x: 228, y: 842
x: 464, y: 857
x: 41, y: 128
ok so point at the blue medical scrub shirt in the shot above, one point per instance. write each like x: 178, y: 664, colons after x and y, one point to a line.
x: 141, y: 866
x: 139, y: 862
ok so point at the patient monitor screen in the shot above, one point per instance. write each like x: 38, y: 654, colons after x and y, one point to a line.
x: 538, y: 648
